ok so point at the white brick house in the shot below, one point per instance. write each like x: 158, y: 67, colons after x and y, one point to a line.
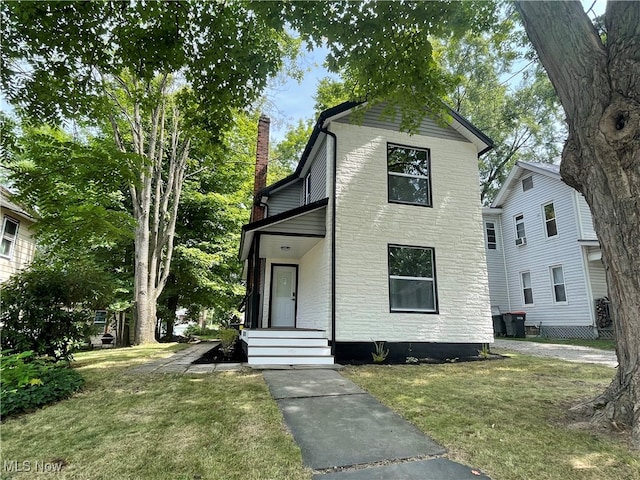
x: 377, y: 236
x: 543, y: 254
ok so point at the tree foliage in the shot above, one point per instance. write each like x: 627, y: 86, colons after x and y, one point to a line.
x: 523, y: 118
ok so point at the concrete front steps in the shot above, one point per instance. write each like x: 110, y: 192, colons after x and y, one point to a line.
x: 293, y: 346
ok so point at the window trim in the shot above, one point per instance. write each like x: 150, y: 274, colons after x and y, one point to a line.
x: 434, y: 280
x: 522, y: 288
x: 553, y: 285
x: 515, y: 225
x: 546, y: 222
x: 407, y: 175
x: 12, y: 238
x: 495, y: 234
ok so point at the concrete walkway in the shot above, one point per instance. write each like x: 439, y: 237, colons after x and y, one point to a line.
x: 182, y: 362
x: 570, y: 353
x: 346, y: 434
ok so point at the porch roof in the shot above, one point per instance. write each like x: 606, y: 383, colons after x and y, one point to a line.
x: 301, y: 227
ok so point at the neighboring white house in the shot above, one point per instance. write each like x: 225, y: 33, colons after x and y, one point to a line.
x: 376, y: 236
x: 17, y: 245
x: 543, y: 255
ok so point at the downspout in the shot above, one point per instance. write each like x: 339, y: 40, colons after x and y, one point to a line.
x: 333, y: 240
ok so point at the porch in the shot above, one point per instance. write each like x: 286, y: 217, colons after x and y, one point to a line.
x: 286, y: 346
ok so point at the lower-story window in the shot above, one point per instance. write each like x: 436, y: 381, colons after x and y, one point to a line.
x: 412, y: 279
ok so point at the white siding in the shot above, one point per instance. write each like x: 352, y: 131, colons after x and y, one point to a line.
x: 367, y: 223
x: 587, y: 232
x: 540, y: 253
x: 23, y: 249
x: 496, y: 270
x: 373, y: 118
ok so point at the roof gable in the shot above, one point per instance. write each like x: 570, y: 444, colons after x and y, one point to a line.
x: 546, y: 169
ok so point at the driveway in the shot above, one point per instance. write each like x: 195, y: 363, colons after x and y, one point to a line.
x: 570, y: 353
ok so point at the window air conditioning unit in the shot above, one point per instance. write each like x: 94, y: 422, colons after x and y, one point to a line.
x: 521, y: 241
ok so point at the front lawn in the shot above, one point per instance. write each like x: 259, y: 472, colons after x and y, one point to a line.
x: 123, y: 426
x: 507, y: 417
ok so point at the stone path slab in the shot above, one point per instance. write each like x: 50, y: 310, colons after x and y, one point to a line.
x: 302, y: 383
x: 436, y: 469
x: 344, y: 430
x: 181, y: 362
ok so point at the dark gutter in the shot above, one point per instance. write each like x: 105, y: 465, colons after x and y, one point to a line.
x: 473, y: 129
x: 333, y: 241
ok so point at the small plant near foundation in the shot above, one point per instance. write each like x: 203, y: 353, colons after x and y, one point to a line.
x: 380, y: 354
x: 228, y: 339
x: 485, y: 352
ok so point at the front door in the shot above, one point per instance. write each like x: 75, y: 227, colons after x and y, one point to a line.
x: 283, y: 295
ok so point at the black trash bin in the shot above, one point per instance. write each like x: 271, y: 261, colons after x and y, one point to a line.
x: 514, y: 324
x: 498, y: 326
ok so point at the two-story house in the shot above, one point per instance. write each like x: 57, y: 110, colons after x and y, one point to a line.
x: 17, y: 245
x: 543, y: 256
x: 376, y: 236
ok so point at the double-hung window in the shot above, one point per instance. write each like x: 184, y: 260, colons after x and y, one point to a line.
x: 9, y: 236
x: 412, y: 279
x: 521, y: 235
x: 490, y: 229
x: 527, y: 290
x: 551, y: 228
x: 307, y: 189
x: 409, y: 175
x: 557, y: 279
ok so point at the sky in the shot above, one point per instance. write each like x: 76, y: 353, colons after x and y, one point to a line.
x: 289, y: 101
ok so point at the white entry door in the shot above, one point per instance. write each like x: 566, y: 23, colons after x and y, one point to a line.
x: 283, y: 296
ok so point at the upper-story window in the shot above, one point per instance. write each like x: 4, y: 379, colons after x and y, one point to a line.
x: 409, y: 175
x: 307, y: 189
x: 551, y: 228
x: 9, y: 236
x: 521, y: 236
x: 527, y: 183
x: 412, y: 279
x: 490, y: 228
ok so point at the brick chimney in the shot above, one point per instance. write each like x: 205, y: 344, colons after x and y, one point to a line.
x: 262, y: 160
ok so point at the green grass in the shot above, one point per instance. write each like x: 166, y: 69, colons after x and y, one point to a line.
x: 124, y: 426
x: 602, y: 344
x: 506, y: 417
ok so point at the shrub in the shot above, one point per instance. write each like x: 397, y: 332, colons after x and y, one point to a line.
x: 228, y: 339
x: 27, y: 382
x: 196, y: 330
x: 49, y: 310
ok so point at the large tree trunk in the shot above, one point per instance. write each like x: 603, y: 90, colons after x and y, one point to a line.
x: 599, y: 88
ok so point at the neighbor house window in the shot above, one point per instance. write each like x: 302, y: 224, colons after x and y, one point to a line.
x: 557, y: 279
x: 527, y: 184
x: 9, y: 236
x: 307, y: 189
x: 490, y: 228
x: 412, y: 280
x: 409, y: 175
x: 100, y: 317
x: 527, y: 291
x: 520, y: 232
x: 551, y: 227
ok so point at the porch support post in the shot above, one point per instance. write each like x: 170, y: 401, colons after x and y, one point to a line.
x: 255, y: 298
